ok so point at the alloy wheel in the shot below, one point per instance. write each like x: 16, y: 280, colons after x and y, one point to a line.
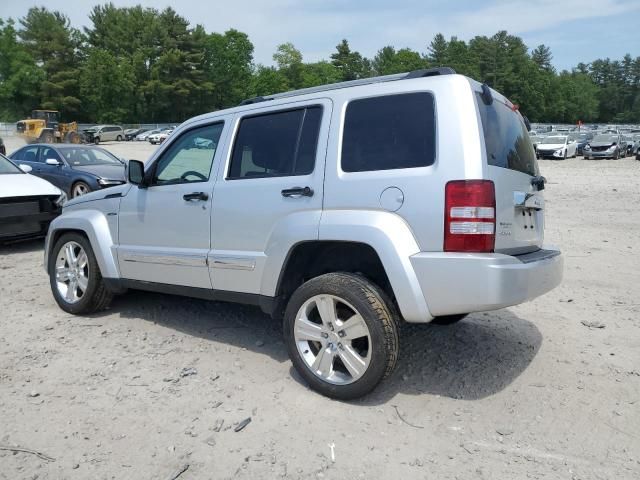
x: 333, y: 339
x: 79, y: 189
x: 72, y: 272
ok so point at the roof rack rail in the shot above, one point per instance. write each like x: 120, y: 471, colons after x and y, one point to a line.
x: 431, y: 72
x: 428, y: 72
x: 249, y: 101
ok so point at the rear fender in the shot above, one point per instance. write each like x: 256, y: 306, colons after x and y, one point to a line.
x: 392, y: 239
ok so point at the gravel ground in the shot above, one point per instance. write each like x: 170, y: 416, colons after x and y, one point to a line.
x: 156, y: 384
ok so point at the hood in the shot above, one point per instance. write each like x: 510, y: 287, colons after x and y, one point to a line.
x: 111, y: 172
x: 99, y: 195
x: 550, y: 146
x: 25, y: 185
x: 602, y: 144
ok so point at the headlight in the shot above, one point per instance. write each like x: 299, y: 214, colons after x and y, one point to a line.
x: 109, y: 183
x: 611, y: 148
x: 559, y: 152
x: 587, y: 147
x: 61, y: 200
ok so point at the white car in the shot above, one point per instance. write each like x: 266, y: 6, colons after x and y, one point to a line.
x: 557, y: 147
x: 160, y: 137
x: 27, y: 203
x: 144, y: 136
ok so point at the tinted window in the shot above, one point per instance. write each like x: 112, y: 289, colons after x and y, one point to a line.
x: 190, y: 157
x: 48, y: 152
x: 394, y: 131
x: 506, y: 138
x: 29, y: 154
x: 276, y: 144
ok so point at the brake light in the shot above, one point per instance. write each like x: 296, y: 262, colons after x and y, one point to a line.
x: 470, y: 216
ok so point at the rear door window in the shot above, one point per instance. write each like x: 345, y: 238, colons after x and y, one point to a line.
x: 276, y: 144
x: 389, y: 132
x: 506, y: 138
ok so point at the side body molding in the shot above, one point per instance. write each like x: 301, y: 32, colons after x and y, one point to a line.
x: 392, y: 239
x: 98, y: 229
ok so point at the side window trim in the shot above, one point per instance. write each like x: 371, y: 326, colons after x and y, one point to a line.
x: 285, y: 108
x: 150, y: 173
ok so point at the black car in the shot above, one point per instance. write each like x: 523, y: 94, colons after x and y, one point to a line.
x: 581, y: 138
x: 75, y: 169
x: 131, y: 133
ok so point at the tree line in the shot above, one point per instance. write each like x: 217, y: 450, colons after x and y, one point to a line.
x: 137, y: 64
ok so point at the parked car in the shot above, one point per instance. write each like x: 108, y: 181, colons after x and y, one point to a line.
x: 3, y: 149
x: 159, y: 137
x: 558, y: 147
x: 606, y: 145
x: 331, y: 208
x: 131, y: 133
x: 76, y: 169
x: 535, y: 140
x: 142, y: 137
x: 104, y: 133
x: 581, y: 139
x: 28, y: 204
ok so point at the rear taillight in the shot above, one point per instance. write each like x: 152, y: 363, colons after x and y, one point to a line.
x: 470, y: 216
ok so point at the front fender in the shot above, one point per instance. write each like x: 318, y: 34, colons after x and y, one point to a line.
x: 94, y: 224
x: 390, y: 236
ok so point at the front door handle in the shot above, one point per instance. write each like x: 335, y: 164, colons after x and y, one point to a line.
x: 298, y: 192
x: 195, y: 196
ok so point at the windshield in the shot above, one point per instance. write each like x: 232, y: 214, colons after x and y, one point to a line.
x: 605, y: 138
x: 88, y: 156
x: 554, y: 140
x: 579, y: 136
x: 7, y: 166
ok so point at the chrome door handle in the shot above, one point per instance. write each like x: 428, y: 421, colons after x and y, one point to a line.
x: 195, y: 196
x: 297, y: 192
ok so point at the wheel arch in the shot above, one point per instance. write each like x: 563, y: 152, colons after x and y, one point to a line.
x: 93, y: 225
x: 376, y: 244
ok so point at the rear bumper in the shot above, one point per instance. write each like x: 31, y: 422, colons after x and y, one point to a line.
x: 463, y: 283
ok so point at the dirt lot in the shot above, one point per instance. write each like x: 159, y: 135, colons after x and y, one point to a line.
x: 549, y: 389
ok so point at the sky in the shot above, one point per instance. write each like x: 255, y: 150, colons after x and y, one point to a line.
x: 575, y: 30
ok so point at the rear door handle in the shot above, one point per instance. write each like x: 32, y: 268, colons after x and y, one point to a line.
x: 298, y: 192
x: 195, y: 196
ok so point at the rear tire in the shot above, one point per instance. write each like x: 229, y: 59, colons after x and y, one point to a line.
x: 95, y: 296
x: 347, y: 351
x: 449, y: 319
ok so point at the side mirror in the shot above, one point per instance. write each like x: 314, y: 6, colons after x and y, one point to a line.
x: 52, y: 161
x: 25, y: 168
x: 135, y: 172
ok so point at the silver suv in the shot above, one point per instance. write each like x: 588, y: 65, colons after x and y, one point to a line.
x: 343, y: 210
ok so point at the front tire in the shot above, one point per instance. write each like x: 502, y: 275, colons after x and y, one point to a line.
x: 75, y: 278
x: 341, y: 333
x: 79, y: 188
x: 96, y: 140
x: 119, y: 138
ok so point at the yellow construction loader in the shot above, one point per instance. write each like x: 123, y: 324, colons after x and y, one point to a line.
x: 44, y: 126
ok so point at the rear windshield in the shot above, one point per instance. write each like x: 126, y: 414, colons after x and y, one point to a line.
x: 506, y: 138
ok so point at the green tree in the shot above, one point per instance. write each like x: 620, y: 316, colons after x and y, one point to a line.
x: 20, y: 77
x: 352, y: 65
x: 388, y: 61
x: 289, y: 61
x: 56, y: 46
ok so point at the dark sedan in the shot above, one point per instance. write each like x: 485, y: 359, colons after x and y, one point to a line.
x: 581, y: 138
x: 75, y: 169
